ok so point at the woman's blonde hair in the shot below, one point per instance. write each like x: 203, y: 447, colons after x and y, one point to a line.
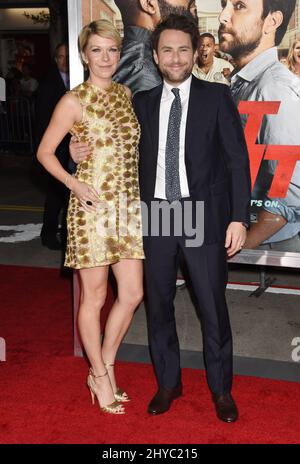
x: 290, y: 57
x: 103, y: 28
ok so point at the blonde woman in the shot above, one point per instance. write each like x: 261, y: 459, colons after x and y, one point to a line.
x: 293, y: 59
x: 99, y: 113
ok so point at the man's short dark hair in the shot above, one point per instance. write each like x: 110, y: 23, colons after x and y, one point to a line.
x: 287, y: 7
x: 207, y: 35
x: 61, y: 44
x: 177, y: 23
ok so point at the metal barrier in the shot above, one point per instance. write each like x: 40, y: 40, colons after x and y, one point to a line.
x: 16, y: 125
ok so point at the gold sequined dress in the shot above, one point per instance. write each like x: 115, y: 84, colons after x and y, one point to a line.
x: 111, y: 129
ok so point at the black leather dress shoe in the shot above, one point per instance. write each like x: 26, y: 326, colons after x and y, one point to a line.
x: 162, y: 401
x: 51, y: 241
x: 225, y: 407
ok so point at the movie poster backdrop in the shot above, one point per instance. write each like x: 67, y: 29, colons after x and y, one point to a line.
x: 264, y: 85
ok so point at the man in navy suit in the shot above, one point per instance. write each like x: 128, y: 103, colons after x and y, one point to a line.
x: 52, y: 88
x: 192, y: 151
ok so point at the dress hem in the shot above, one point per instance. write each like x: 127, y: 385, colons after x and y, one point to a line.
x: 107, y: 263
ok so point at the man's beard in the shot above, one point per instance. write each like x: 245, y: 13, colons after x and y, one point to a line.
x: 237, y: 48
x: 166, y: 9
x: 183, y: 77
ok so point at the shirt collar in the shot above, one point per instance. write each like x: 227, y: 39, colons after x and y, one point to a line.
x: 257, y: 65
x: 184, y: 87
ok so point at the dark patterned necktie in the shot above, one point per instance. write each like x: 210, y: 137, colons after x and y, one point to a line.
x: 173, y: 192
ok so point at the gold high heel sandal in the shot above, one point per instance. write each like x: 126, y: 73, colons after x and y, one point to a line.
x: 113, y: 408
x: 120, y: 395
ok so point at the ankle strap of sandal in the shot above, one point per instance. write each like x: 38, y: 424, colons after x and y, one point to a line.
x: 97, y: 376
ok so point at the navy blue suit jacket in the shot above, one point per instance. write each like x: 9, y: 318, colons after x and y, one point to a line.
x: 216, y: 155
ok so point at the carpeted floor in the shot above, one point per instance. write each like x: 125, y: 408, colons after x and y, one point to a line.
x: 44, y: 399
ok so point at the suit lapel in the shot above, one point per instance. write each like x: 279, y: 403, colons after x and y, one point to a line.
x: 196, y: 116
x: 192, y: 115
x: 153, y: 117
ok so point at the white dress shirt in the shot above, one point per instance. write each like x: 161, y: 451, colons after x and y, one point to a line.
x: 165, y: 107
x: 215, y: 73
x: 29, y: 85
x: 65, y: 77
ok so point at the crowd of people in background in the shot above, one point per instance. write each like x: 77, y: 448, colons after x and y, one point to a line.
x: 21, y: 83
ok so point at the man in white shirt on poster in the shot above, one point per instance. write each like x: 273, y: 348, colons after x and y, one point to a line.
x: 208, y: 67
x: 250, y: 31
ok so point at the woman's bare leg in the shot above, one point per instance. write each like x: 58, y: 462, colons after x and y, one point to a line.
x: 129, y: 277
x: 92, y: 299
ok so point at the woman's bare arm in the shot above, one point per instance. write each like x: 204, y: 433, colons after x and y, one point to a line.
x: 66, y: 113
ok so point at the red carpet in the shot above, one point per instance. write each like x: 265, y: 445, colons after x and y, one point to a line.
x: 44, y: 399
